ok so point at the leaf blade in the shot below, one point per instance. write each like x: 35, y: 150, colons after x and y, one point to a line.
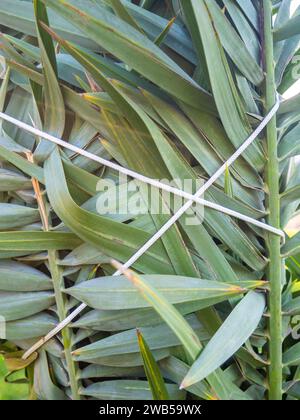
x: 223, y: 345
x: 155, y: 379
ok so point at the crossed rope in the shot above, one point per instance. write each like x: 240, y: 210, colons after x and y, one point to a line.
x: 196, y: 198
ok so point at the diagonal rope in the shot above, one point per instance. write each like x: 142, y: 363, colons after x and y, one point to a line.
x: 164, y: 228
x: 153, y: 182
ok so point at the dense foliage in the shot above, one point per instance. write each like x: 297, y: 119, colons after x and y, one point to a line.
x: 170, y: 99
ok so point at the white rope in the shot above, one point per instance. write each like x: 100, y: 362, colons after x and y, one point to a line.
x: 154, y: 182
x: 164, y: 228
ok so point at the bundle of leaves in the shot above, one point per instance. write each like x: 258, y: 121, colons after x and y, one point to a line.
x: 169, y: 98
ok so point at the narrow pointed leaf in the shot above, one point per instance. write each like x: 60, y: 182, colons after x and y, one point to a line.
x: 155, y: 379
x: 126, y: 389
x: 37, y: 241
x: 291, y: 247
x: 292, y: 356
x: 234, y: 46
x: 123, y: 13
x: 18, y: 277
x: 115, y: 293
x: 16, y: 305
x: 288, y: 30
x: 122, y: 40
x: 233, y: 333
x: 97, y: 230
x: 54, y: 121
x: 228, y: 103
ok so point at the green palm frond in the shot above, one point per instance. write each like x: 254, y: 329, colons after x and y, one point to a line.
x: 169, y: 89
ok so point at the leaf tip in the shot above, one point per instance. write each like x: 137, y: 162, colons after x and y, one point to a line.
x: 183, y: 385
x: 125, y: 271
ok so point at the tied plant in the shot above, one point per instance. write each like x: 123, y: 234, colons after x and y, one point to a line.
x: 169, y: 89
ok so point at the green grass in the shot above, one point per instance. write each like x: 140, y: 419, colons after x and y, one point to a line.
x: 11, y: 391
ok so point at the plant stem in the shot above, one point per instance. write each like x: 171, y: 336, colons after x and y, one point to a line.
x: 58, y: 283
x: 57, y: 279
x: 272, y: 177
